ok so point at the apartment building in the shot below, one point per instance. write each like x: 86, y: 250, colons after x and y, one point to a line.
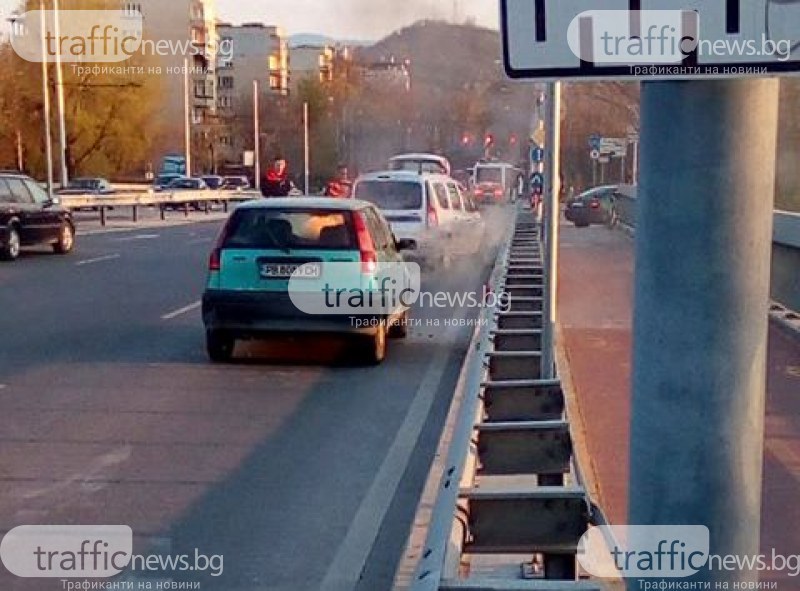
x: 185, y: 30
x: 258, y: 53
x: 311, y: 62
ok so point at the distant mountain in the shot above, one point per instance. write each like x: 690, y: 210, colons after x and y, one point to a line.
x: 315, y: 39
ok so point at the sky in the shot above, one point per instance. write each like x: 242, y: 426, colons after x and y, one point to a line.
x: 354, y: 19
x: 342, y: 19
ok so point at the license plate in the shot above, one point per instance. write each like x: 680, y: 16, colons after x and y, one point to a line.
x: 577, y: 206
x: 291, y: 270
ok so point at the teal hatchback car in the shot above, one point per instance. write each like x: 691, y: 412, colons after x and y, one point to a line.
x: 278, y: 263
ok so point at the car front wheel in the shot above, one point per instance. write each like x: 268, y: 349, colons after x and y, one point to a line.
x: 66, y: 240
x: 10, y: 250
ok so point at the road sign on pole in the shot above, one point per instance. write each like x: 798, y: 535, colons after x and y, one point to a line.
x: 537, y: 154
x: 652, y: 39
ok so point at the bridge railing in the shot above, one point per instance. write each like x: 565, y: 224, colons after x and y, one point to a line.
x: 785, y: 288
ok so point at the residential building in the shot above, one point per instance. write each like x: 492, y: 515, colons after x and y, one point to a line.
x: 176, y: 31
x: 388, y: 74
x: 311, y: 62
x: 258, y: 53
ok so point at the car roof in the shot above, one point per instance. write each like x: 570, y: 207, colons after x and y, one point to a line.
x: 306, y: 203
x: 403, y: 175
x: 418, y: 156
x: 600, y: 189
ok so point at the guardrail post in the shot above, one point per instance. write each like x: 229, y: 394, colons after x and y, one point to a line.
x: 163, y: 212
x: 186, y: 209
x: 700, y: 325
x: 102, y: 215
x: 135, y: 214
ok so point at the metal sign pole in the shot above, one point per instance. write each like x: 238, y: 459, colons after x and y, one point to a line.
x: 552, y: 217
x: 703, y: 244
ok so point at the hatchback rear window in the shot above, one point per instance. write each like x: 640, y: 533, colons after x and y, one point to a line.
x: 272, y: 229
x: 391, y: 195
x: 489, y: 175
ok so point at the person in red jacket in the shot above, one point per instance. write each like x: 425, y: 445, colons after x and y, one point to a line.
x: 276, y: 182
x: 340, y: 186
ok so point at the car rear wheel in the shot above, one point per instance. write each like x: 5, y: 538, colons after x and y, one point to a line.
x: 219, y: 346
x: 66, y: 240
x: 374, y: 346
x: 10, y: 250
x: 399, y: 330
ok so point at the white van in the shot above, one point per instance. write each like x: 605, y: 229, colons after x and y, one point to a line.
x: 421, y: 163
x: 428, y: 210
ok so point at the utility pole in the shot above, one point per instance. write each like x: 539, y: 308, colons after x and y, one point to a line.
x: 48, y: 140
x: 62, y: 124
x: 703, y: 243
x: 552, y: 216
x: 306, y: 149
x: 187, y: 118
x: 257, y: 134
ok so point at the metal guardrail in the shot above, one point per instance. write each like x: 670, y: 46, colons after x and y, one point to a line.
x: 511, y: 505
x: 180, y: 199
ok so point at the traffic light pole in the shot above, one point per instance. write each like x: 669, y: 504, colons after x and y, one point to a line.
x: 703, y: 239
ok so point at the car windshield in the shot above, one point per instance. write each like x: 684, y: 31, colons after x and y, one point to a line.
x: 272, y: 229
x: 391, y: 195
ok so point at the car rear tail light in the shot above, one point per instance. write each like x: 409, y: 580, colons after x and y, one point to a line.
x: 215, y: 260
x: 498, y: 193
x: 433, y: 217
x: 366, y: 246
x: 595, y: 204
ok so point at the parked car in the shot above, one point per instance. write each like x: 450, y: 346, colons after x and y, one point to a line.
x: 263, y: 245
x: 28, y: 217
x: 213, y: 181
x: 163, y: 181
x: 187, y: 184
x: 595, y: 206
x: 236, y: 183
x: 426, y: 210
x: 84, y: 186
x: 97, y: 187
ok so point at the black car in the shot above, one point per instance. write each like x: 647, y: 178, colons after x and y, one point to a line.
x: 595, y: 206
x: 28, y: 217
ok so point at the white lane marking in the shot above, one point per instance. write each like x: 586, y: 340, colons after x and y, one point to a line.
x: 138, y: 237
x: 95, y: 470
x: 345, y: 570
x: 182, y: 311
x: 108, y: 257
x: 200, y: 241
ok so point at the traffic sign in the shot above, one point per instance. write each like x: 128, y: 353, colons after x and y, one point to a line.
x: 661, y: 39
x: 595, y: 154
x: 537, y: 179
x: 594, y: 141
x: 537, y: 154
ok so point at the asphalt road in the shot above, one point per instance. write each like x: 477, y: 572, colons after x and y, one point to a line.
x: 302, y: 470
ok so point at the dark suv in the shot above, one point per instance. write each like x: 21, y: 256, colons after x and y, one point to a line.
x: 29, y: 217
